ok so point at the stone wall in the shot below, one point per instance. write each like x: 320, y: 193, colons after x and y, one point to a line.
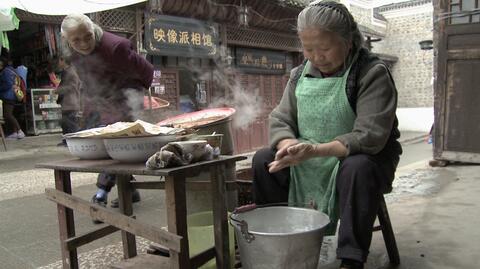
x: 414, y: 69
x: 363, y: 16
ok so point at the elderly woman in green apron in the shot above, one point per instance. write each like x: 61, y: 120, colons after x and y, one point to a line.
x: 334, y: 134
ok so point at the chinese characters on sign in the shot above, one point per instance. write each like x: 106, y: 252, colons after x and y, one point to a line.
x: 260, y: 61
x: 158, y: 88
x: 168, y: 35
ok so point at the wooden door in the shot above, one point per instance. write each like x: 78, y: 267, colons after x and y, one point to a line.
x: 270, y: 89
x: 457, y: 86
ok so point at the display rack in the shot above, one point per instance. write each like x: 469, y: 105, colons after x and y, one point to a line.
x: 46, y: 113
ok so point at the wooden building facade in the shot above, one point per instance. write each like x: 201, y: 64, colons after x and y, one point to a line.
x: 256, y: 47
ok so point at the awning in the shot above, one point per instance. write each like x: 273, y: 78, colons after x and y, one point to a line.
x: 55, y: 7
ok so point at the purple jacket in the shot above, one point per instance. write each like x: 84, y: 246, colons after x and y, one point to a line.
x: 113, y: 78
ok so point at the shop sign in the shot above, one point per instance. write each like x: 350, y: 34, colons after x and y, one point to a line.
x: 158, y: 88
x: 179, y: 36
x: 260, y: 61
x: 157, y: 74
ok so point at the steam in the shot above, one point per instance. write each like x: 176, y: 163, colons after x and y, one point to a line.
x: 114, y: 103
x: 134, y: 102
x: 247, y: 102
x: 106, y: 95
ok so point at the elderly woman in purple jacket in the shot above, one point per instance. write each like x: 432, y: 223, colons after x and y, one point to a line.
x: 113, y: 76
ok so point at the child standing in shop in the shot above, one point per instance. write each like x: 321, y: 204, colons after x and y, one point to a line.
x: 69, y: 97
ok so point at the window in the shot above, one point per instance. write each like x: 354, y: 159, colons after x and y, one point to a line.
x: 464, y: 11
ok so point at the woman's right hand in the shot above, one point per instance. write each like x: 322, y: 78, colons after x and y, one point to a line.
x: 282, y: 147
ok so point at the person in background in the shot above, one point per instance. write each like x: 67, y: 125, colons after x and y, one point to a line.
x: 334, y: 133
x: 113, y: 79
x: 52, y: 67
x: 7, y: 82
x: 68, y: 91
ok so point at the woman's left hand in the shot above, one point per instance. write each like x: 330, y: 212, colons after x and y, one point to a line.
x: 295, y: 154
x: 303, y: 151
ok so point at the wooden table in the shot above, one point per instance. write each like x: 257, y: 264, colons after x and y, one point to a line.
x: 176, y: 239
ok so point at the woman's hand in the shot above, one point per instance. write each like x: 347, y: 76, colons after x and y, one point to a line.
x: 294, y: 154
x: 282, y: 147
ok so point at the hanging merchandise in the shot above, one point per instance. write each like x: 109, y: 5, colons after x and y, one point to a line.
x: 4, y: 41
x: 8, y: 22
x: 8, y: 19
x: 58, y: 37
x: 50, y: 37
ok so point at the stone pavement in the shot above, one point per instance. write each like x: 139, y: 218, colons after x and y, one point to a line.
x: 434, y: 212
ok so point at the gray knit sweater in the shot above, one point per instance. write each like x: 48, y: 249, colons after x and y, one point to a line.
x: 375, y: 104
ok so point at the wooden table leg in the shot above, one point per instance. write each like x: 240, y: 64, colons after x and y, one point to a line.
x: 177, y: 218
x: 220, y: 222
x: 2, y: 135
x: 66, y: 222
x: 125, y: 205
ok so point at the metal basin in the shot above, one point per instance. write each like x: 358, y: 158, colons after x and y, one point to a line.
x: 87, y: 148
x: 135, y: 149
x: 279, y: 237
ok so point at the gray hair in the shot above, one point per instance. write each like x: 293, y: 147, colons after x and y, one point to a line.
x: 333, y: 17
x: 72, y: 22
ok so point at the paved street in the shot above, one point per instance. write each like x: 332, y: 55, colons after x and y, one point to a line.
x: 432, y: 210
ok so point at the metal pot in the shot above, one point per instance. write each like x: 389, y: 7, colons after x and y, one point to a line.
x: 278, y: 237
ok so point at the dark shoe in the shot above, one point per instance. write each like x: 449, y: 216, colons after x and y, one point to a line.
x: 351, y: 264
x: 135, y: 199
x: 99, y: 202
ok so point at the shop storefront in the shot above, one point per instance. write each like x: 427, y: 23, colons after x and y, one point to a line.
x: 206, y: 54
x: 220, y: 58
x: 34, y: 44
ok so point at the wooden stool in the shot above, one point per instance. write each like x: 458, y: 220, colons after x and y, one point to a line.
x: 244, y: 181
x: 387, y: 232
x: 3, y: 134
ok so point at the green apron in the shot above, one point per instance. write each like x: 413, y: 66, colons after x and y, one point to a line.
x: 323, y: 113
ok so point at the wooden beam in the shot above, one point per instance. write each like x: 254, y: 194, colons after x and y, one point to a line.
x: 148, y: 185
x: 463, y: 54
x: 126, y: 223
x: 202, y: 257
x: 144, y: 261
x: 77, y: 241
x: 118, y: 168
x: 126, y: 208
x: 197, y: 185
x: 220, y: 223
x: 176, y: 204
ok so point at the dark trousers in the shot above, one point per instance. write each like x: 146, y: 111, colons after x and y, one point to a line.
x: 10, y: 120
x: 70, y: 121
x: 107, y: 181
x: 361, y: 179
x: 104, y: 181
